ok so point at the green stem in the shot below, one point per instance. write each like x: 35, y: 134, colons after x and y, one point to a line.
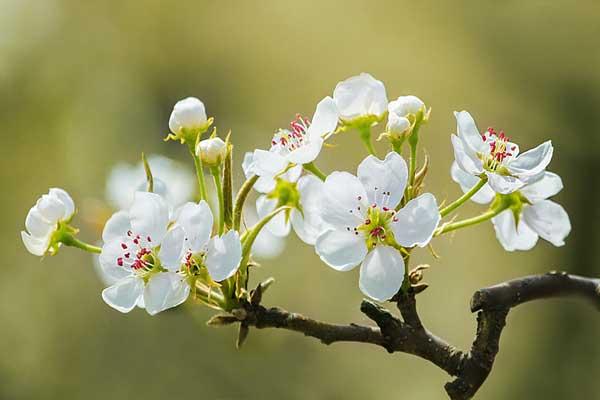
x: 462, y: 199
x: 241, y: 199
x: 365, y: 136
x: 70, y: 240
x: 199, y: 172
x: 250, y: 236
x: 312, y: 168
x: 216, y: 173
x: 470, y: 221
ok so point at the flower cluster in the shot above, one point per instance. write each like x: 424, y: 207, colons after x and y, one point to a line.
x: 174, y: 236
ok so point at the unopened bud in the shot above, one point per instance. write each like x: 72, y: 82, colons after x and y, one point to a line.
x: 212, y: 151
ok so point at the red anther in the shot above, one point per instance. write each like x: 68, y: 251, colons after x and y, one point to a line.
x: 359, y: 197
x: 120, y: 261
x: 148, y: 238
x: 367, y: 221
x: 395, y: 219
x: 123, y: 246
x: 386, y: 209
x: 129, y: 233
x: 127, y: 255
x: 136, y: 241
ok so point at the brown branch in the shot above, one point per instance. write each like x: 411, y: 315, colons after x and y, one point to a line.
x: 408, y: 335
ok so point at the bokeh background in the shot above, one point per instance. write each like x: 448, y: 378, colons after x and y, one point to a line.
x: 84, y: 85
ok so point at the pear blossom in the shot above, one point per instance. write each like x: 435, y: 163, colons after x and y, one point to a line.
x: 538, y: 217
x: 43, y: 221
x: 493, y: 154
x: 171, y: 180
x: 361, y: 224
x: 306, y: 220
x: 360, y: 96
x: 212, y: 151
x: 143, y: 257
x: 220, y: 255
x: 301, y: 144
x: 189, y: 114
x: 306, y: 223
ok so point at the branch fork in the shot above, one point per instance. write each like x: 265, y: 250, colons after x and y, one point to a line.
x: 408, y: 334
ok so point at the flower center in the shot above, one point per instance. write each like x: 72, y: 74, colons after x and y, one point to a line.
x: 293, y: 138
x: 500, y: 148
x: 374, y: 223
x: 137, y: 254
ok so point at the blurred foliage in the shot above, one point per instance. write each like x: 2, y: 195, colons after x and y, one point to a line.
x: 87, y: 84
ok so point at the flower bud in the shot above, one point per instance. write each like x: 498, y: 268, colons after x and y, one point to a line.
x: 396, y: 124
x: 406, y: 105
x: 212, y: 151
x: 188, y: 114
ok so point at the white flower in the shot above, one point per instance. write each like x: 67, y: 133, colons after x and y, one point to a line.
x: 212, y: 151
x: 361, y: 222
x: 306, y: 223
x: 189, y: 114
x: 403, y: 106
x: 143, y: 257
x: 43, y: 219
x: 220, y: 255
x: 541, y: 217
x: 360, y: 96
x: 537, y: 217
x: 396, y: 124
x: 301, y: 144
x: 494, y: 155
x: 171, y: 180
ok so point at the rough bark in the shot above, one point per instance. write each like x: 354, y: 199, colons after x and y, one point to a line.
x: 408, y: 335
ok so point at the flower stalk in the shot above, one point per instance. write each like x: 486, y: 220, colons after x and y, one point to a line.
x: 216, y: 173
x: 464, y: 198
x: 199, y: 172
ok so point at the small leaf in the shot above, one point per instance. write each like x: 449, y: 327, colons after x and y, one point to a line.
x: 222, y: 320
x: 149, y: 177
x: 242, y: 335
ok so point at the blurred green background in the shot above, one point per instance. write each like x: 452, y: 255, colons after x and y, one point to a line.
x: 86, y: 84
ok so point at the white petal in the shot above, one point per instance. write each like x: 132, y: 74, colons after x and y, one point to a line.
x: 187, y: 113
x: 549, y: 185
x: 360, y: 95
x: 248, y: 164
x: 344, y: 200
x: 124, y: 295
x: 278, y: 225
x: 416, y: 221
x: 172, y: 249
x: 324, y: 120
x: 66, y: 200
x: 293, y: 174
x: 467, y: 181
x: 117, y: 226
x: 341, y: 250
x: 405, y: 105
x: 468, y: 162
x: 509, y: 237
x: 223, y: 256
x: 503, y: 184
x: 165, y: 290
x: 469, y: 134
x: 149, y: 216
x: 34, y: 245
x: 380, y: 177
x: 197, y: 222
x: 397, y: 124
x: 50, y: 208
x: 111, y: 252
x: 549, y: 220
x: 268, y: 163
x: 533, y: 161
x: 306, y: 153
x: 37, y: 225
x: 382, y: 273
x: 307, y: 224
